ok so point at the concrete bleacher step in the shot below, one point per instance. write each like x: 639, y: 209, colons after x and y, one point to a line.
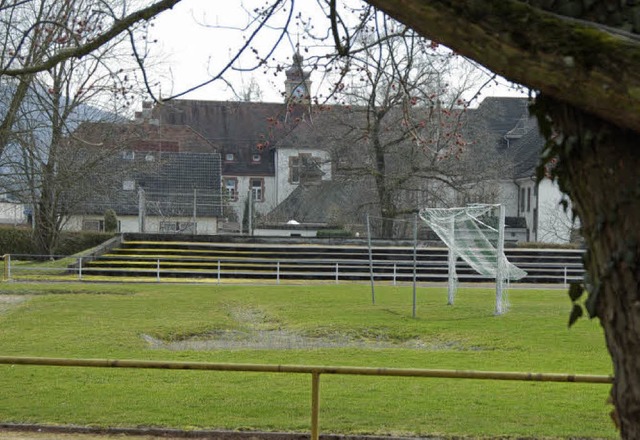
x: 210, y: 259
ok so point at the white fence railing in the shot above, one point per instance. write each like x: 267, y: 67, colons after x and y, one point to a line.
x: 162, y: 269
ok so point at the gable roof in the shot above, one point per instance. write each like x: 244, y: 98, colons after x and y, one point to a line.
x: 171, y: 182
x: 241, y: 128
x: 499, y: 114
x: 325, y: 202
x: 525, y: 151
x: 145, y: 136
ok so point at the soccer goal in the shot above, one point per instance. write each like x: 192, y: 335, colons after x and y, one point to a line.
x: 475, y: 233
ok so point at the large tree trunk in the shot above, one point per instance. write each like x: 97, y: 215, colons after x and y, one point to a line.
x: 599, y: 167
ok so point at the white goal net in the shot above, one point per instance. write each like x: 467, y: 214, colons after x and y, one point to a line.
x: 475, y: 233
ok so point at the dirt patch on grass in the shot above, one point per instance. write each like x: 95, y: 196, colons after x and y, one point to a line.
x: 285, y: 340
x: 8, y: 302
x: 259, y: 331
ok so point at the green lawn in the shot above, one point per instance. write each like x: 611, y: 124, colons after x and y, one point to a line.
x: 325, y: 325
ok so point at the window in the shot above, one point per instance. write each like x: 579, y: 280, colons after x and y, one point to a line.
x: 128, y: 155
x: 128, y: 185
x: 521, y: 199
x: 257, y: 189
x: 231, y: 186
x: 93, y: 225
x: 294, y: 169
x: 229, y: 157
x: 529, y: 199
x: 256, y: 158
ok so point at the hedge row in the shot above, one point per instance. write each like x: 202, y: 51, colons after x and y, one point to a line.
x: 16, y: 240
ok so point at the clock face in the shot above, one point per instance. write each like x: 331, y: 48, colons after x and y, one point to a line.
x: 299, y: 91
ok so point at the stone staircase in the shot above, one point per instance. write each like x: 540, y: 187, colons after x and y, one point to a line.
x: 286, y: 259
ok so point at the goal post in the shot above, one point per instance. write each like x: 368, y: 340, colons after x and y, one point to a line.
x: 475, y: 233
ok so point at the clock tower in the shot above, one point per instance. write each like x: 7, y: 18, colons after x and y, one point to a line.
x: 297, y: 84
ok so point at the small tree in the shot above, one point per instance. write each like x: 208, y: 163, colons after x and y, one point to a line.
x: 110, y: 221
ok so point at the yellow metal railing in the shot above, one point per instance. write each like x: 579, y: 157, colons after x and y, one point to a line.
x: 315, y: 372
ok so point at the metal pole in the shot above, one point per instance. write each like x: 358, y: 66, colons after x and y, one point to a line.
x: 500, y: 263
x: 142, y: 208
x: 395, y: 265
x: 452, y: 281
x: 158, y: 271
x: 337, y: 273
x: 373, y: 291
x: 7, y: 267
x: 250, y: 195
x: 278, y: 272
x: 218, y: 271
x: 315, y: 405
x: 195, y: 213
x: 415, y: 261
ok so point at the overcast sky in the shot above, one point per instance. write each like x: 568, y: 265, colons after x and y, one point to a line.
x: 191, y: 52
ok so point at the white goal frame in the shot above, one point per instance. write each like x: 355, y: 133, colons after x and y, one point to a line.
x: 442, y: 221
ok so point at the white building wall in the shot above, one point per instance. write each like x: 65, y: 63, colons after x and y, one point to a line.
x: 261, y: 207
x: 129, y: 223
x: 539, y: 204
x: 554, y: 224
x: 283, y: 186
x: 12, y: 213
x: 264, y: 232
x: 527, y: 205
x: 508, y: 196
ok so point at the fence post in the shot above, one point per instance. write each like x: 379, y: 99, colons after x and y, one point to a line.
x: 315, y: 405
x: 565, y: 276
x: 158, y: 271
x: 218, y: 271
x: 277, y: 272
x: 394, y: 273
x: 337, y: 273
x: 7, y: 266
x: 79, y: 268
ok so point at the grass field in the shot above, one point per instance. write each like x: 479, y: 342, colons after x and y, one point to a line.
x: 307, y: 325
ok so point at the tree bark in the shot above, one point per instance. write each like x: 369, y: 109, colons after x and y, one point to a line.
x: 581, y: 63
x: 598, y: 167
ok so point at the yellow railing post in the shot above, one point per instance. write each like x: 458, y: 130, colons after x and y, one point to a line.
x: 315, y: 405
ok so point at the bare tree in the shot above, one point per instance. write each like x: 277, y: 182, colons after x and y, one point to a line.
x: 47, y: 159
x: 558, y: 225
x: 402, y: 125
x: 38, y: 35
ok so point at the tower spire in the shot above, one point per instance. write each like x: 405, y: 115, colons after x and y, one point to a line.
x: 297, y: 84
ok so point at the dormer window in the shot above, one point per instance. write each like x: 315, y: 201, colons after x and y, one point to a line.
x: 229, y: 157
x: 128, y: 155
x: 256, y: 158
